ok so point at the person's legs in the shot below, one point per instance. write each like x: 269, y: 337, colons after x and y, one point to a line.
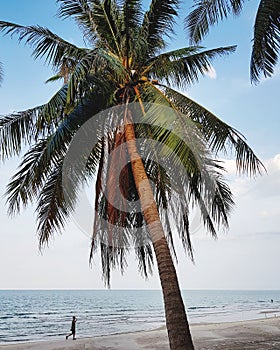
x: 67, y: 336
x: 74, y: 336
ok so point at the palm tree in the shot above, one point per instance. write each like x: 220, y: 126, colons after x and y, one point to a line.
x: 118, y: 91
x: 266, y: 41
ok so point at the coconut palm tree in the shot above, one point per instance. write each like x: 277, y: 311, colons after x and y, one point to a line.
x: 119, y: 90
x: 266, y: 40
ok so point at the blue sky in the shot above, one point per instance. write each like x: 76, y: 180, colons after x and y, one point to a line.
x: 246, y: 257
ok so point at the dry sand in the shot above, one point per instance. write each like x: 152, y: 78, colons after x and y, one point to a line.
x: 261, y: 334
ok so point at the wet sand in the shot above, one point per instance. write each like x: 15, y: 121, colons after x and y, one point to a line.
x: 263, y: 334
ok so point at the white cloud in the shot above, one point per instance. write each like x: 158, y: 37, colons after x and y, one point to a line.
x: 266, y: 185
x: 274, y: 163
x: 211, y: 73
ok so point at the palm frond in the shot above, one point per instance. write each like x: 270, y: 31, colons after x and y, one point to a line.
x: 207, y: 13
x: 222, y: 202
x: 214, y: 205
x: 183, y: 174
x: 36, y: 165
x: 219, y: 135
x: 51, y: 113
x: 22, y: 128
x: 54, y: 78
x: 81, y: 11
x: 144, y: 255
x: 99, y: 70
x: 106, y: 19
x: 24, y: 185
x: 98, y: 20
x: 266, y: 43
x: 107, y: 24
x: 38, y: 162
x: 158, y: 22
x: 132, y: 14
x: 52, y: 209
x: 16, y: 131
x: 184, y: 66
x: 57, y: 202
x: 110, y: 259
x: 107, y: 62
x: 44, y: 42
x: 77, y: 82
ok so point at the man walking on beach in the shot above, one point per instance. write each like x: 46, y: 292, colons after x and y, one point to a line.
x: 73, y: 329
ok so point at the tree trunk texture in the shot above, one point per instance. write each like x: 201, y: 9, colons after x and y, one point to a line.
x: 176, y: 319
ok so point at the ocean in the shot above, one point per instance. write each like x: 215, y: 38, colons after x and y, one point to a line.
x: 29, y: 315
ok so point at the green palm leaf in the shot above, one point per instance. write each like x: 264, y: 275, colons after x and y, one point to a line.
x: 81, y: 11
x: 51, y: 113
x: 266, y: 43
x: 24, y: 185
x: 44, y: 42
x: 207, y: 13
x: 16, y: 131
x: 98, y: 19
x: 190, y: 182
x: 36, y: 165
x: 52, y: 210
x: 184, y: 66
x: 132, y: 13
x: 218, y: 134
x: 158, y: 22
x: 130, y: 25
x: 22, y: 128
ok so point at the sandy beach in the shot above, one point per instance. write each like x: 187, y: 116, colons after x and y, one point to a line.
x: 263, y: 334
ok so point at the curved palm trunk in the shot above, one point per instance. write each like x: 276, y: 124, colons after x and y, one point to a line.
x: 176, y: 318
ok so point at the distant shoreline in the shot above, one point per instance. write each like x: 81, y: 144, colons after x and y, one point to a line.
x: 255, y: 334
